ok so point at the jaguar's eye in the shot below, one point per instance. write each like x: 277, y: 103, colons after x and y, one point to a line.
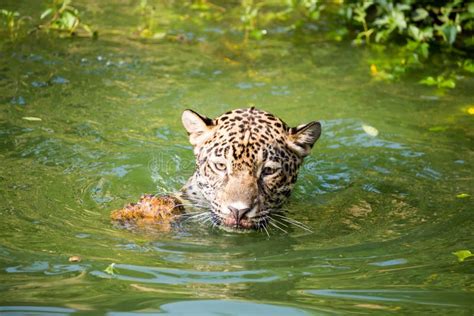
x: 267, y: 171
x: 220, y: 167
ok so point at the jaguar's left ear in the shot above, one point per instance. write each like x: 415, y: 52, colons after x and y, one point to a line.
x: 302, y: 138
x: 199, y: 127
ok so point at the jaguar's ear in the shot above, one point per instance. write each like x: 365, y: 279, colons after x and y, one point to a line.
x: 302, y: 138
x: 199, y: 127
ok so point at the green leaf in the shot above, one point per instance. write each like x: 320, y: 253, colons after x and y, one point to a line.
x: 87, y: 28
x: 463, y: 254
x: 420, y: 14
x: 110, y: 269
x: 258, y: 34
x: 46, y: 13
x: 69, y: 20
x: 425, y: 50
x: 429, y: 81
x: 414, y: 32
x: 450, y: 32
x: 470, y: 7
x: 447, y: 83
x: 463, y: 195
x: 468, y: 65
x: 399, y: 20
x: 9, y: 14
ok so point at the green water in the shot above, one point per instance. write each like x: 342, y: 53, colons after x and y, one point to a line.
x: 382, y: 209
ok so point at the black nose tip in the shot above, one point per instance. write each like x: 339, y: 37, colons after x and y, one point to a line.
x: 239, y: 213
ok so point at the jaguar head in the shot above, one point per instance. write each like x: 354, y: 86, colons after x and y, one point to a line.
x: 247, y: 162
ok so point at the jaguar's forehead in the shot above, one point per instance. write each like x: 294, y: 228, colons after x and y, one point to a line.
x: 250, y: 122
x: 247, y: 135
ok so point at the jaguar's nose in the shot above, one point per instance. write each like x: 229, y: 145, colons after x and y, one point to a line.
x: 238, y: 213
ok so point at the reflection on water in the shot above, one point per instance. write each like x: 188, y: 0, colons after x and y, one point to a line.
x: 379, y: 192
x: 180, y: 276
x: 195, y: 307
x: 431, y: 298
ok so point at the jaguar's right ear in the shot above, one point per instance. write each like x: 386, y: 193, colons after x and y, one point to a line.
x: 199, y: 127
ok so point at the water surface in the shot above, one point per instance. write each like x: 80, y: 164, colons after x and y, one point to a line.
x: 382, y: 208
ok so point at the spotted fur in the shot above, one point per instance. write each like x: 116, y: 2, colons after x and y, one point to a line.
x: 247, y: 163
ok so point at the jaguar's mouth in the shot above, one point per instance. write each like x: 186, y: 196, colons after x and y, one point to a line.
x: 234, y: 223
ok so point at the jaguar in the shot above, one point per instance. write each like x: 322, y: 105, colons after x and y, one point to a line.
x: 247, y: 163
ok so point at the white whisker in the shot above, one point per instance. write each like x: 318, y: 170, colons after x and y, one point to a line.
x: 278, y: 227
x: 293, y: 222
x: 266, y: 231
x: 278, y: 221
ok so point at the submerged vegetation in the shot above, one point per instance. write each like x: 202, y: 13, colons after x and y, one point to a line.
x: 407, y: 34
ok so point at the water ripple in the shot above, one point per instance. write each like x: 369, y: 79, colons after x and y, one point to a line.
x: 127, y: 272
x: 403, y: 296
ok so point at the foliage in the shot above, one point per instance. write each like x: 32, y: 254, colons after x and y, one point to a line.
x: 422, y: 22
x: 412, y: 30
x: 63, y: 18
x: 256, y: 16
x: 305, y: 10
x: 358, y: 13
x: 249, y: 19
x: 59, y: 16
x: 439, y: 81
x: 12, y: 23
x: 148, y: 27
x: 418, y: 28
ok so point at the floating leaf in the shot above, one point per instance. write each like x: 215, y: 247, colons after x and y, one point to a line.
x: 370, y: 130
x: 463, y: 254
x: 31, y: 118
x: 74, y: 259
x: 111, y: 269
x: 159, y: 35
x: 463, y: 195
